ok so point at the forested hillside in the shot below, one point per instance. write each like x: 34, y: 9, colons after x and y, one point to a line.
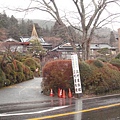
x: 42, y: 23
x: 49, y: 30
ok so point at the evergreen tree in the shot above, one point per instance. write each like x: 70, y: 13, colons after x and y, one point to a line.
x: 38, y: 29
x: 13, y: 28
x: 4, y: 24
x: 4, y: 21
x: 23, y: 29
x: 112, y: 38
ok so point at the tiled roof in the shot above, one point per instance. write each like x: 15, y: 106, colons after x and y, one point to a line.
x: 68, y: 47
x: 100, y: 46
x: 65, y: 47
x: 42, y: 41
x: 10, y: 40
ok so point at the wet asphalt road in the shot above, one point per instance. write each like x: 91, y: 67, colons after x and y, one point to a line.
x: 25, y: 101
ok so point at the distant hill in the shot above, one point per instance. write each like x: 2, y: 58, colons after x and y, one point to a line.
x: 41, y: 23
x: 44, y: 23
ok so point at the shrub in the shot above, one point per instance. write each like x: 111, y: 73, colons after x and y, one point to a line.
x: 102, y: 59
x: 85, y: 70
x: 2, y: 78
x: 112, y: 66
x: 115, y: 62
x: 34, y: 65
x: 118, y: 56
x: 11, y: 77
x: 8, y: 68
x: 101, y: 90
x: 19, y: 66
x: 7, y: 82
x: 85, y: 74
x: 1, y: 83
x: 17, y: 72
x: 27, y: 72
x: 20, y: 77
x: 30, y: 63
x: 98, y: 63
x: 57, y: 74
x: 96, y: 77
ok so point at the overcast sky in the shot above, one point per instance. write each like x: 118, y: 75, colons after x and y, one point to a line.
x: 64, y: 5
x: 25, y: 3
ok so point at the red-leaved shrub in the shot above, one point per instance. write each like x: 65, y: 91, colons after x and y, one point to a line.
x: 57, y: 74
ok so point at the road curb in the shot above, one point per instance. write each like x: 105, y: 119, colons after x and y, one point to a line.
x: 101, y: 97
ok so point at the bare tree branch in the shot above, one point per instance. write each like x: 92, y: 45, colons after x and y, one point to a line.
x: 89, y: 16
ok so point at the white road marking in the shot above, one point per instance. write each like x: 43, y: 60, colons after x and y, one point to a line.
x: 28, y: 113
x: 21, y: 90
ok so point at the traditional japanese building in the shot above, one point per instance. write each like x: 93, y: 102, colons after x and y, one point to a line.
x: 11, y: 44
x: 34, y: 36
x: 66, y: 49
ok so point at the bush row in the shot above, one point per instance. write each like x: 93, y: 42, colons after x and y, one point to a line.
x: 97, y: 77
x: 15, y: 71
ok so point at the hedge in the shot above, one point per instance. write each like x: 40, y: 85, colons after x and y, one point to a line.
x: 96, y: 76
x: 57, y: 74
x: 14, y: 71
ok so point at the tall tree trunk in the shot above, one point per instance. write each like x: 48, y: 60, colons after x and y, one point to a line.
x: 87, y: 50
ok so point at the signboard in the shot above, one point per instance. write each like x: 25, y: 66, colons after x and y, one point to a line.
x: 76, y: 74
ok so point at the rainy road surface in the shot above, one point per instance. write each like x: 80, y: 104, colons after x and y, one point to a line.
x: 24, y: 101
